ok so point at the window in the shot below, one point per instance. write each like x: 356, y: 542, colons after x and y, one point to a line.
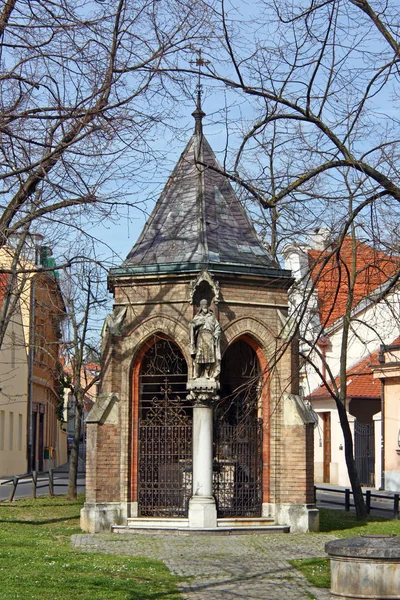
x: 20, y: 430
x: 11, y: 431
x: 2, y: 419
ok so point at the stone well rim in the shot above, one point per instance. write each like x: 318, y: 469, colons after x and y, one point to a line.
x: 366, y: 546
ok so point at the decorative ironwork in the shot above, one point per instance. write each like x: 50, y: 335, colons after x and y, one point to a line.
x: 166, y: 411
x: 364, y: 452
x: 238, y: 469
x: 238, y: 436
x: 165, y: 434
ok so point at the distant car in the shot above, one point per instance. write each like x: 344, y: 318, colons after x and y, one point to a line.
x: 69, y: 443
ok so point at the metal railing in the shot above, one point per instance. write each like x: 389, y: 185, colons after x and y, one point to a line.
x: 368, y: 495
x: 51, y: 479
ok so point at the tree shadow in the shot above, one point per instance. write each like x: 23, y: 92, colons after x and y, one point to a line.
x: 340, y: 520
x: 39, y: 521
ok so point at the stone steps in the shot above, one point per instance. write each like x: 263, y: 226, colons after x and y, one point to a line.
x: 230, y: 526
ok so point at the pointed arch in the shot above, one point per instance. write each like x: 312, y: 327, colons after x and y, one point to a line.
x: 250, y: 331
x: 153, y: 334
x: 257, y: 334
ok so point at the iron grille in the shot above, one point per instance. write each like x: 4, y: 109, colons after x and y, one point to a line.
x: 165, y: 434
x: 238, y: 469
x: 364, y: 452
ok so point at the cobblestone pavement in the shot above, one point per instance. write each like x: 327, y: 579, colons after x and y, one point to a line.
x: 231, y: 567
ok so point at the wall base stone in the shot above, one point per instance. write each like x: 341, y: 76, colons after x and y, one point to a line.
x: 392, y: 481
x: 133, y: 509
x: 301, y: 518
x: 99, y: 517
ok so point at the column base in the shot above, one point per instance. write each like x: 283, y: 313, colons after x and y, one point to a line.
x: 202, y: 512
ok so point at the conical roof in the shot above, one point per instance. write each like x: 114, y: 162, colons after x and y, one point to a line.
x: 198, y: 222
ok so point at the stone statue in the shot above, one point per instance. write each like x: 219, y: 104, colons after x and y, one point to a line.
x: 205, y: 334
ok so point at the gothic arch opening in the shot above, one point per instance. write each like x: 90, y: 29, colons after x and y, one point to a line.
x: 164, y: 432
x: 238, y: 434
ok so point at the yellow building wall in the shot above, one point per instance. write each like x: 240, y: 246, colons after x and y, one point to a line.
x: 392, y: 425
x: 48, y: 307
x: 13, y: 400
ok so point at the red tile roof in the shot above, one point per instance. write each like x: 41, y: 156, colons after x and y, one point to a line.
x: 330, y: 272
x: 360, y: 381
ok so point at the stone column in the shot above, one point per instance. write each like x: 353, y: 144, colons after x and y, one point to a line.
x: 202, y: 507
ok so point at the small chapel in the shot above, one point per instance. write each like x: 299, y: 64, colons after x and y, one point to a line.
x: 199, y: 424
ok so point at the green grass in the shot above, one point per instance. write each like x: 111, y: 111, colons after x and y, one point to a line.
x: 38, y: 562
x: 341, y: 524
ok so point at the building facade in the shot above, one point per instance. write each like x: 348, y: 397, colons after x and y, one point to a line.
x: 324, y: 270
x: 386, y: 372
x: 31, y: 437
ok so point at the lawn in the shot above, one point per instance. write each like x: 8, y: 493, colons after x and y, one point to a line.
x: 37, y: 561
x: 341, y: 524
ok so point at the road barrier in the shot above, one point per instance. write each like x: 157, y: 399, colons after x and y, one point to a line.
x: 368, y: 497
x: 51, y: 479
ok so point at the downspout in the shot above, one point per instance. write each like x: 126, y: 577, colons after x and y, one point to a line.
x: 30, y: 372
x: 381, y: 360
x: 30, y: 365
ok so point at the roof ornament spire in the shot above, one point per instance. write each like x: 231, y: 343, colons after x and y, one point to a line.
x: 198, y: 114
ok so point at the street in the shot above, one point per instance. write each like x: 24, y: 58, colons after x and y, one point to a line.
x: 24, y: 487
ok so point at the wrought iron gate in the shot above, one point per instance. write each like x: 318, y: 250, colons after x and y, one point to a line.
x: 165, y: 435
x: 238, y: 469
x: 238, y: 435
x: 364, y: 452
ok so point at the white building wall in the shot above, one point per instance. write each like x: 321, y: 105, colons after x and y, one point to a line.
x: 372, y: 326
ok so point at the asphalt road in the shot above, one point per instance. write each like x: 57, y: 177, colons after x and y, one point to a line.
x: 24, y: 487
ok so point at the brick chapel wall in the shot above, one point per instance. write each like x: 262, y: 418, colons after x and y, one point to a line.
x: 297, y: 455
x: 108, y: 463
x: 91, y: 461
x: 103, y: 464
x: 245, y: 308
x: 288, y: 460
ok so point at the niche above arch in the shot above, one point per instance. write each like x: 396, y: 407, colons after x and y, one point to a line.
x: 205, y: 287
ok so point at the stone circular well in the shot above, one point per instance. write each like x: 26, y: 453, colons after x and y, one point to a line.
x: 367, y: 566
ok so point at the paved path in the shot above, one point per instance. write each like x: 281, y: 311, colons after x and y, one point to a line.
x: 233, y: 567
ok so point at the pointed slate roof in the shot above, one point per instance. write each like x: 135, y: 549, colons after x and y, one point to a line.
x: 198, y: 222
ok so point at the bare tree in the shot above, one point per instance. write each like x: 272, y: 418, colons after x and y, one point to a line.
x: 85, y: 297
x: 82, y: 95
x: 316, y: 133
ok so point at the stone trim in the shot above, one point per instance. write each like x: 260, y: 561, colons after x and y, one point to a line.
x: 161, y: 324
x: 254, y: 328
x: 103, y: 409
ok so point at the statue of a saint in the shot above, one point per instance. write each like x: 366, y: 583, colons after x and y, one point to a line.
x: 205, y: 334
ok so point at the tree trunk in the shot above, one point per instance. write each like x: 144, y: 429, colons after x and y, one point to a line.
x: 361, y: 511
x: 74, y: 457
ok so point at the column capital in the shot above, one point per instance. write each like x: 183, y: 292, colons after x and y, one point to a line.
x: 203, y: 392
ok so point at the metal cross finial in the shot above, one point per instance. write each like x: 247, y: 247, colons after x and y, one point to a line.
x: 200, y: 62
x: 198, y: 114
